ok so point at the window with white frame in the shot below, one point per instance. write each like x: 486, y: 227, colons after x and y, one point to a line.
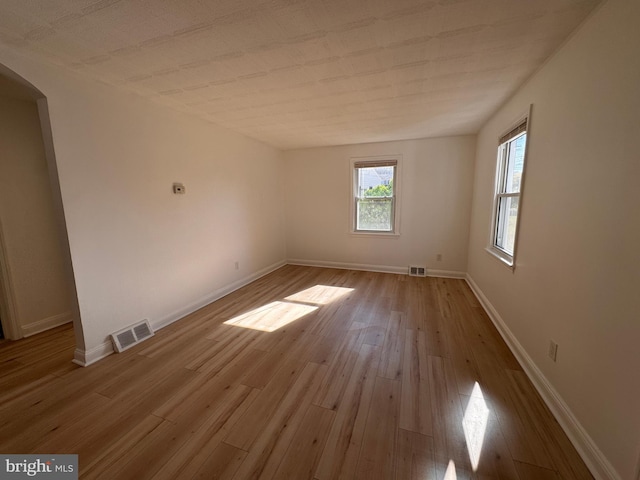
x: 375, y: 181
x: 507, y: 202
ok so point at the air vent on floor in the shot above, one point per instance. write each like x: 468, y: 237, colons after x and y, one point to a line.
x: 416, y: 271
x: 130, y: 336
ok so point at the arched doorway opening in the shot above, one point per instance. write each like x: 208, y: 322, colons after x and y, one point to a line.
x: 37, y: 287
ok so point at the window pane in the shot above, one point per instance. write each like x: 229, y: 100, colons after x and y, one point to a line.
x: 515, y: 163
x: 375, y: 182
x: 506, y: 223
x: 374, y: 214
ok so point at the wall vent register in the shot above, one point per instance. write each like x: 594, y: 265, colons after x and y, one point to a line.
x: 417, y: 271
x: 132, y: 335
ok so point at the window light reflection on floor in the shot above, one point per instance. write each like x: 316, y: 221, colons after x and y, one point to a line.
x: 275, y: 315
x: 474, y: 424
x: 450, y: 474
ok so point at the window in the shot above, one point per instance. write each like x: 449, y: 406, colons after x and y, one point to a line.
x: 374, y: 195
x: 509, y: 172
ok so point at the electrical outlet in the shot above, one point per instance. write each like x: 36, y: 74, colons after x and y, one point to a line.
x: 179, y: 189
x: 553, y: 350
x: 237, y: 265
x: 439, y: 257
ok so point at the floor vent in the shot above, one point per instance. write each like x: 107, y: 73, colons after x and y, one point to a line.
x: 416, y: 271
x: 130, y: 336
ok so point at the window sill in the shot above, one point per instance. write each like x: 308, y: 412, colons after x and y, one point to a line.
x: 375, y: 234
x: 504, y: 259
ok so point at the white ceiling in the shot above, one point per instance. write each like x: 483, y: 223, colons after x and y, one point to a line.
x: 301, y: 73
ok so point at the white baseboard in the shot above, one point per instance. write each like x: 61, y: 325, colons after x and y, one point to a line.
x: 46, y: 324
x: 595, y: 460
x: 445, y: 273
x: 84, y: 358
x: 373, y: 268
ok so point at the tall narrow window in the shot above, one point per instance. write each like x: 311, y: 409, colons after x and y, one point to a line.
x: 511, y: 158
x: 374, y: 194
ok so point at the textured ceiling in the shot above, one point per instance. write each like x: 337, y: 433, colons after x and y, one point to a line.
x: 300, y: 73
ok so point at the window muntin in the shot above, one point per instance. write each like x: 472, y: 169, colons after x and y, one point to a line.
x: 374, y: 189
x: 510, y: 169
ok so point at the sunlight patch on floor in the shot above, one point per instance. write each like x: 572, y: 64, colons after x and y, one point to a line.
x: 319, y: 294
x: 271, y: 317
x: 474, y: 424
x: 275, y: 315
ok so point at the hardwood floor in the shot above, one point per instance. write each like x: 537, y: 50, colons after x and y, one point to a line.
x: 376, y: 376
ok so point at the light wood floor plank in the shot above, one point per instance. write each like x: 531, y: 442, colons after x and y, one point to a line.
x: 566, y: 460
x: 46, y: 426
x: 276, y: 435
x: 340, y: 456
x: 391, y: 359
x: 447, y: 414
x: 195, y: 456
x: 203, y: 390
x: 281, y: 386
x: 486, y: 446
x: 415, y: 457
x: 276, y: 356
x: 331, y: 392
x: 222, y: 464
x: 142, y: 461
x: 377, y: 455
x: 111, y: 453
x: 105, y: 434
x: 531, y: 472
x: 306, y: 446
x: 415, y: 405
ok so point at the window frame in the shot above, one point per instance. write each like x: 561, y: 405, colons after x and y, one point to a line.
x: 369, y: 162
x: 500, y: 192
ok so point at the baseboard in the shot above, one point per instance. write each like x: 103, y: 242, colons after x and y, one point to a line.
x: 445, y: 273
x: 84, y: 358
x: 46, y: 324
x: 372, y: 268
x: 595, y: 460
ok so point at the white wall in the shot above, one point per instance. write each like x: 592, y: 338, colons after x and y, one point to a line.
x: 138, y: 250
x: 35, y: 263
x: 435, y: 198
x: 578, y: 267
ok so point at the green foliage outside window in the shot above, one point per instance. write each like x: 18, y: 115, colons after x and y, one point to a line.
x: 374, y: 210
x: 380, y: 190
